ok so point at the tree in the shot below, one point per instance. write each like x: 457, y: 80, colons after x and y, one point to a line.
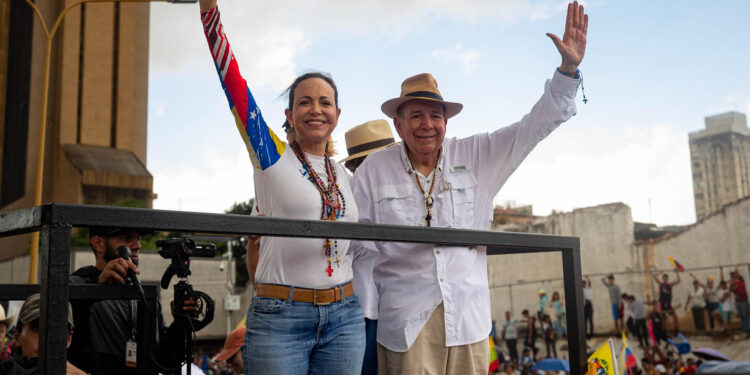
x: 240, y: 268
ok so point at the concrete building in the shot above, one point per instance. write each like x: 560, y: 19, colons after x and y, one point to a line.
x: 95, y: 150
x: 609, y: 245
x: 720, y: 158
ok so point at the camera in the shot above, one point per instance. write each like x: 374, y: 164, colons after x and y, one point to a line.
x: 179, y: 250
x: 173, y: 247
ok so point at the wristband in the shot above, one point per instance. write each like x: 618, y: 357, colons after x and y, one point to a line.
x: 575, y: 75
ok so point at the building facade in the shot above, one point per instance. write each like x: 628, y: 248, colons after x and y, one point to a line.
x: 95, y: 147
x: 720, y: 162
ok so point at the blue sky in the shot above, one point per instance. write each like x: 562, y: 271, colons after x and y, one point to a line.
x: 652, y: 72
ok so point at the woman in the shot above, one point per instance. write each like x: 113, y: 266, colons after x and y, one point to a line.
x: 549, y: 336
x: 305, y: 317
x: 726, y: 307
x: 559, y: 322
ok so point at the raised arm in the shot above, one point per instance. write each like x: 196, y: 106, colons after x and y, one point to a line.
x: 678, y: 279
x: 588, y: 280
x: 656, y: 278
x: 572, y: 47
x: 696, y: 279
x: 264, y: 147
x: 721, y: 272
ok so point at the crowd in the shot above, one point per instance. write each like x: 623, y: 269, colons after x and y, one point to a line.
x: 644, y: 320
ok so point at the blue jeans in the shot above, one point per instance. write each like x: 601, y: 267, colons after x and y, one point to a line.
x: 285, y: 337
x: 370, y: 364
x: 742, y: 311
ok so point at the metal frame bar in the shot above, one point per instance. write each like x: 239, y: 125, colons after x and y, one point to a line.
x: 56, y: 220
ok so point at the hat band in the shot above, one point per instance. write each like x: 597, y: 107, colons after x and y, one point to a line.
x: 369, y: 145
x: 425, y: 94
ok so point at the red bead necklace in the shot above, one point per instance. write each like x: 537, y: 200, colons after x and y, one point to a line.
x: 332, y: 200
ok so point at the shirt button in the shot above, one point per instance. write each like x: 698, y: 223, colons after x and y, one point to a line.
x: 437, y: 252
x: 442, y: 280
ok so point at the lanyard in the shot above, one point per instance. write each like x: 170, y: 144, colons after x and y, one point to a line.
x: 132, y: 316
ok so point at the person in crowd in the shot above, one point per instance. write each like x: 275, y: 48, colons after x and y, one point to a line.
x: 527, y: 360
x: 428, y: 180
x: 726, y: 308
x: 657, y: 323
x: 231, y: 353
x: 712, y: 298
x: 550, y: 336
x: 637, y: 310
x: 588, y: 308
x: 26, y: 339
x: 737, y: 286
x: 531, y: 333
x: 665, y: 297
x: 5, y: 342
x: 509, y: 335
x: 559, y: 322
x: 361, y: 141
x: 304, y: 290
x: 696, y: 301
x: 615, y: 300
x: 627, y: 317
x: 541, y: 302
x: 106, y: 329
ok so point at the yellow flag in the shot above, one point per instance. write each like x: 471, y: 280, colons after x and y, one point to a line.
x: 603, y: 361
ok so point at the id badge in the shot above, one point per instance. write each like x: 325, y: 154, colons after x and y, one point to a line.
x: 131, y: 353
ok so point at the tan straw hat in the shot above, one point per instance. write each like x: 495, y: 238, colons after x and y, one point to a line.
x: 421, y: 86
x: 369, y: 137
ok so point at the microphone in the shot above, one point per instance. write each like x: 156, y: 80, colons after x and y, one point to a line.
x: 124, y: 253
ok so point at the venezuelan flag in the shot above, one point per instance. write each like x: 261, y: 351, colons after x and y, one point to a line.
x: 676, y: 265
x: 603, y: 361
x: 630, y: 360
x: 494, y: 362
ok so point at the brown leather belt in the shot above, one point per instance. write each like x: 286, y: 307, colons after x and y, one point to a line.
x: 314, y: 296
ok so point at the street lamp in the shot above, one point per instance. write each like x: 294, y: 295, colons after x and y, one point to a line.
x: 49, y: 34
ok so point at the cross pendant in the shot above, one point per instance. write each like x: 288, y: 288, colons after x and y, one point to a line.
x: 329, y: 270
x: 337, y: 263
x: 428, y: 218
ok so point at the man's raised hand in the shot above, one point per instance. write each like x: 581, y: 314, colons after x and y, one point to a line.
x: 573, y: 44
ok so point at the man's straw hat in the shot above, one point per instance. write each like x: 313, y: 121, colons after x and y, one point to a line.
x: 369, y: 137
x: 421, y: 86
x: 5, y: 319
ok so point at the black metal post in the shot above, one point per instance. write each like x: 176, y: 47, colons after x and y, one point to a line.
x: 53, y: 322
x: 146, y: 338
x: 573, y: 286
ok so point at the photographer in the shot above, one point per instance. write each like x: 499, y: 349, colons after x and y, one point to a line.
x: 106, y: 329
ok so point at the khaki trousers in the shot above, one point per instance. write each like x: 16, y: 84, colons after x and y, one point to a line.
x: 429, y: 355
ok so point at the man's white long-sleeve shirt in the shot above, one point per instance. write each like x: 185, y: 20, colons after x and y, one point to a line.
x: 413, y: 279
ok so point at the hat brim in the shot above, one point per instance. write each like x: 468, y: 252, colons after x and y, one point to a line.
x: 363, y: 153
x: 390, y: 107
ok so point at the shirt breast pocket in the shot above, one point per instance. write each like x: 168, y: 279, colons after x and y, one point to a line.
x: 463, y: 190
x: 393, y: 203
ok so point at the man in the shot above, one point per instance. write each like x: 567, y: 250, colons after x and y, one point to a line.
x: 637, y: 310
x: 108, y: 329
x: 361, y: 141
x: 737, y: 287
x: 615, y: 299
x: 436, y: 298
x: 531, y: 333
x: 696, y: 301
x: 665, y: 297
x: 510, y: 336
x: 26, y: 337
x: 231, y: 354
x: 588, y: 308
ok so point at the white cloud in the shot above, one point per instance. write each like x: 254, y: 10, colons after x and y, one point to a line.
x: 575, y: 168
x: 213, y: 184
x: 467, y: 57
x: 267, y: 36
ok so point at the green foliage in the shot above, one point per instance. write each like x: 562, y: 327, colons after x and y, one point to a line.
x: 239, y: 252
x: 241, y: 208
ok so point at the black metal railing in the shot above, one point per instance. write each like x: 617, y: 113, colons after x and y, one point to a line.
x: 56, y: 220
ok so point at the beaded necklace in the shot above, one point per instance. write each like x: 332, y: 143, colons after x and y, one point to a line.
x: 428, y: 201
x: 332, y: 200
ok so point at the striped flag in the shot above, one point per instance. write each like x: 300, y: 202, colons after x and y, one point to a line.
x: 630, y: 359
x: 676, y: 264
x: 494, y: 362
